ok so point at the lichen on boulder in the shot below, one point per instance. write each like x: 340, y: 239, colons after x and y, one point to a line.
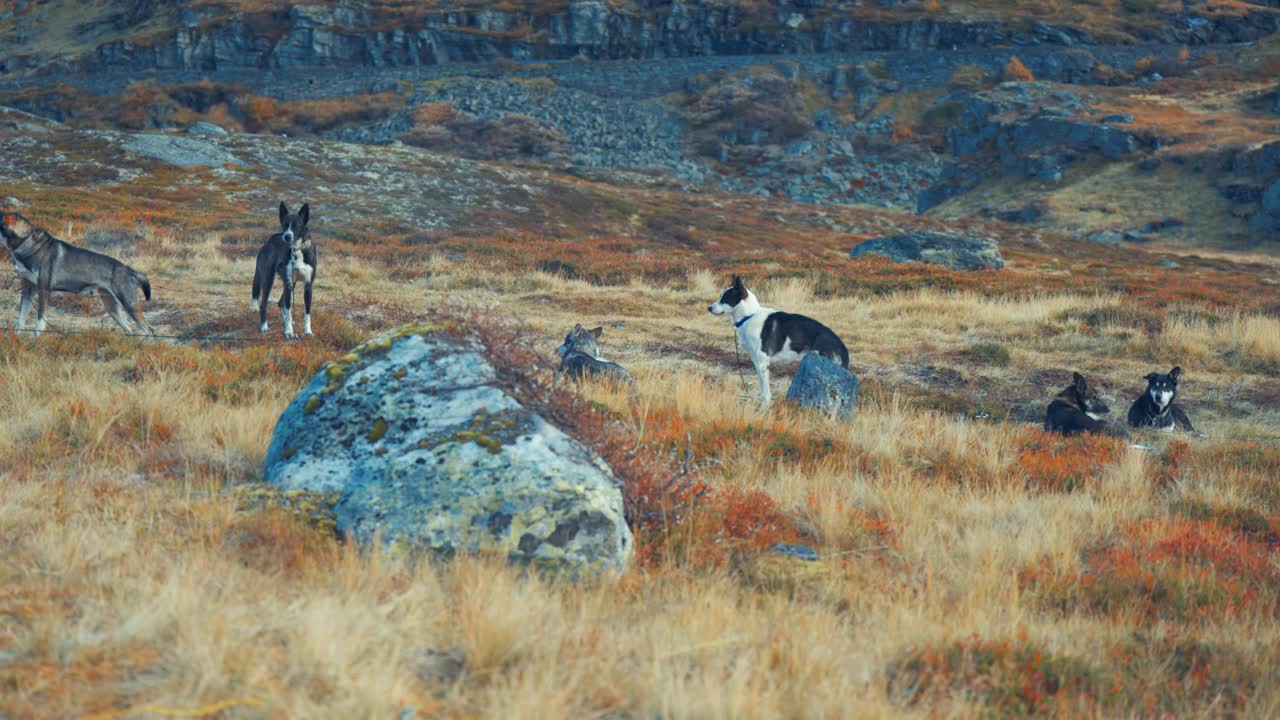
x: 426, y: 450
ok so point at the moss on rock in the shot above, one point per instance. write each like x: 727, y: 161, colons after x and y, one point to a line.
x: 378, y: 430
x: 337, y: 370
x: 316, y: 509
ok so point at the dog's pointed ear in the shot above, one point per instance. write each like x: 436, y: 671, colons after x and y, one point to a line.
x: 284, y: 212
x: 737, y: 281
x: 1175, y: 373
x: 305, y: 213
x: 577, y: 328
x: 1149, y: 377
x: 1079, y: 383
x: 596, y: 331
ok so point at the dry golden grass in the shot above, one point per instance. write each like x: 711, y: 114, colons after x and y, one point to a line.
x: 956, y: 552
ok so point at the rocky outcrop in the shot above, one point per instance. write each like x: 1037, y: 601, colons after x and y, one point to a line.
x: 321, y: 35
x: 208, y: 37
x: 181, y: 151
x: 957, y: 252
x: 206, y: 128
x: 1271, y: 199
x: 600, y: 132
x: 1028, y: 130
x: 1261, y: 164
x: 824, y: 386
x: 426, y: 450
x: 1267, y: 222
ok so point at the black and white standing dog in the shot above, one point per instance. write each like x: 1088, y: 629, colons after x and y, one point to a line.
x: 770, y: 335
x: 1157, y: 407
x: 287, y: 253
x: 1079, y: 409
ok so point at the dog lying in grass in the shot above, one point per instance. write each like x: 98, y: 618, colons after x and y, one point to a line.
x: 580, y: 357
x: 1158, y: 407
x: 46, y: 264
x: 1079, y: 409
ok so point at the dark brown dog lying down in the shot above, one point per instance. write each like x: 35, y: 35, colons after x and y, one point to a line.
x: 1079, y: 409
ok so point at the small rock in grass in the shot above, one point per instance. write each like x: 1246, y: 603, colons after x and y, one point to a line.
x: 824, y: 385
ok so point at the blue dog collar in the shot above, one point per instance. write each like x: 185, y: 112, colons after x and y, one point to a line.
x: 744, y: 320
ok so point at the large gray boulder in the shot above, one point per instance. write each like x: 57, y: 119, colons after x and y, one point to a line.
x: 958, y: 252
x: 824, y: 385
x: 426, y: 450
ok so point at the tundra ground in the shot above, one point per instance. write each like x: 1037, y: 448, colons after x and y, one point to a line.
x: 969, y: 564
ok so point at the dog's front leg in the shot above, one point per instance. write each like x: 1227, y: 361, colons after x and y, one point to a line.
x: 762, y: 375
x: 24, y: 307
x: 42, y: 300
x: 264, y: 298
x: 306, y: 305
x: 286, y: 309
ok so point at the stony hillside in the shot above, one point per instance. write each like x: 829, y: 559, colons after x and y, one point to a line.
x: 1044, y: 123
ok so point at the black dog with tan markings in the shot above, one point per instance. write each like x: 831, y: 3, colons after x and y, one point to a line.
x: 1158, y: 407
x: 47, y: 264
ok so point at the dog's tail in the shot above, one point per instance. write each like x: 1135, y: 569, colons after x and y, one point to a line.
x: 144, y: 283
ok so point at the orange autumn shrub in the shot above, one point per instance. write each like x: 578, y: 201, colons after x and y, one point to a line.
x: 431, y: 114
x: 1015, y: 71
x: 1195, y: 674
x: 1012, y: 679
x: 258, y: 112
x: 1170, y: 570
x: 1054, y: 463
x: 1173, y: 463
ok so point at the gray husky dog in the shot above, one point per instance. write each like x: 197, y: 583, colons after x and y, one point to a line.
x: 580, y: 355
x: 48, y: 264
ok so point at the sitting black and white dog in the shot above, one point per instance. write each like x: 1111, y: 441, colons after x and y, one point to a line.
x: 287, y: 253
x: 770, y: 335
x: 580, y: 356
x: 1157, y: 407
